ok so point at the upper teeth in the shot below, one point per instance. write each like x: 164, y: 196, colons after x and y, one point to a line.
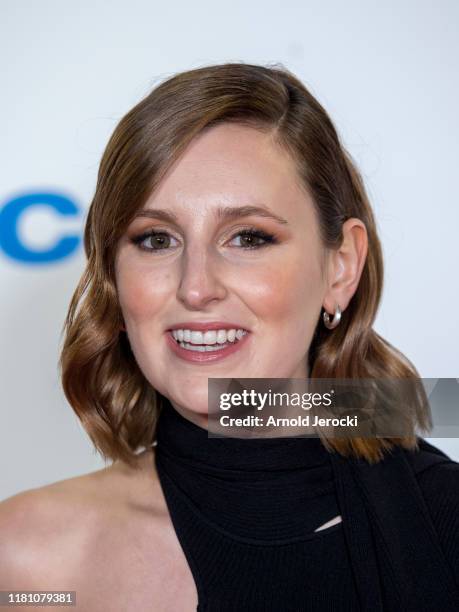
x: 209, y: 337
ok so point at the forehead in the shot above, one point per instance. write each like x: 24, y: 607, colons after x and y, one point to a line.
x: 231, y: 165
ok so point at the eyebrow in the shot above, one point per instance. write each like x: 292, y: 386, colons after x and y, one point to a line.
x: 221, y: 213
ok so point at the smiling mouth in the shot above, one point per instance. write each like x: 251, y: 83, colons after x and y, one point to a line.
x: 206, y: 348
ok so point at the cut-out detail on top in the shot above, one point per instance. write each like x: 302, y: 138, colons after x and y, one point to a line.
x: 330, y: 523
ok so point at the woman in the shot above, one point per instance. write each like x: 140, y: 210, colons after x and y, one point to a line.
x: 230, y: 236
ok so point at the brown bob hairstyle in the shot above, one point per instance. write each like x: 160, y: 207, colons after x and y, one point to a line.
x: 104, y: 385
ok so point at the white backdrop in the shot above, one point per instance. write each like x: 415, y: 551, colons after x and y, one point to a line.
x: 387, y: 74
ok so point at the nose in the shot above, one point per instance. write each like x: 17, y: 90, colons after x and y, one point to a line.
x: 201, y: 280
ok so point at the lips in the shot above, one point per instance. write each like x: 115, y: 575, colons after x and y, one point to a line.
x: 207, y: 357
x: 204, y: 344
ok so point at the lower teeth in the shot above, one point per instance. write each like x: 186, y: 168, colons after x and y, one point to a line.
x: 204, y: 348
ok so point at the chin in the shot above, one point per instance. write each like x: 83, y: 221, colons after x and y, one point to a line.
x: 196, y: 405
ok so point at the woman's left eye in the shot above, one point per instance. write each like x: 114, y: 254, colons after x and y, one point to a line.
x: 256, y: 234
x: 161, y: 240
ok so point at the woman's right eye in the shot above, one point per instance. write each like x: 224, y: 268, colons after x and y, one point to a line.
x: 158, y: 241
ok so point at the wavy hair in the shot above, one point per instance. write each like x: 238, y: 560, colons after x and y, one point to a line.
x: 101, y: 379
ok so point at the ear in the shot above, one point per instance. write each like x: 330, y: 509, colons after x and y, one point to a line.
x: 345, y: 265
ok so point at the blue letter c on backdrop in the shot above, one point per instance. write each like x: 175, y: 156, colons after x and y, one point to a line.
x: 10, y: 242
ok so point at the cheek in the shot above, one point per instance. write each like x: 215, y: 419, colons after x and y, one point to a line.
x: 140, y: 292
x: 291, y: 297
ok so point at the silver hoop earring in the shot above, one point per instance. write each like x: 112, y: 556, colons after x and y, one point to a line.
x: 336, y: 318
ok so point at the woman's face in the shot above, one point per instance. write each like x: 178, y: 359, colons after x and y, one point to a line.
x: 200, y: 269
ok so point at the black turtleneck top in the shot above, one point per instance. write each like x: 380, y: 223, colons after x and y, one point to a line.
x: 246, y: 513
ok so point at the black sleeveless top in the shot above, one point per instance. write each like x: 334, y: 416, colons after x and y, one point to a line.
x: 246, y: 512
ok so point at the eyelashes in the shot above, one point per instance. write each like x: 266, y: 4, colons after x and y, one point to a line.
x: 163, y: 237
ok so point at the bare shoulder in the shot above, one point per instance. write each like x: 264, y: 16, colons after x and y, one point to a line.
x: 60, y: 535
